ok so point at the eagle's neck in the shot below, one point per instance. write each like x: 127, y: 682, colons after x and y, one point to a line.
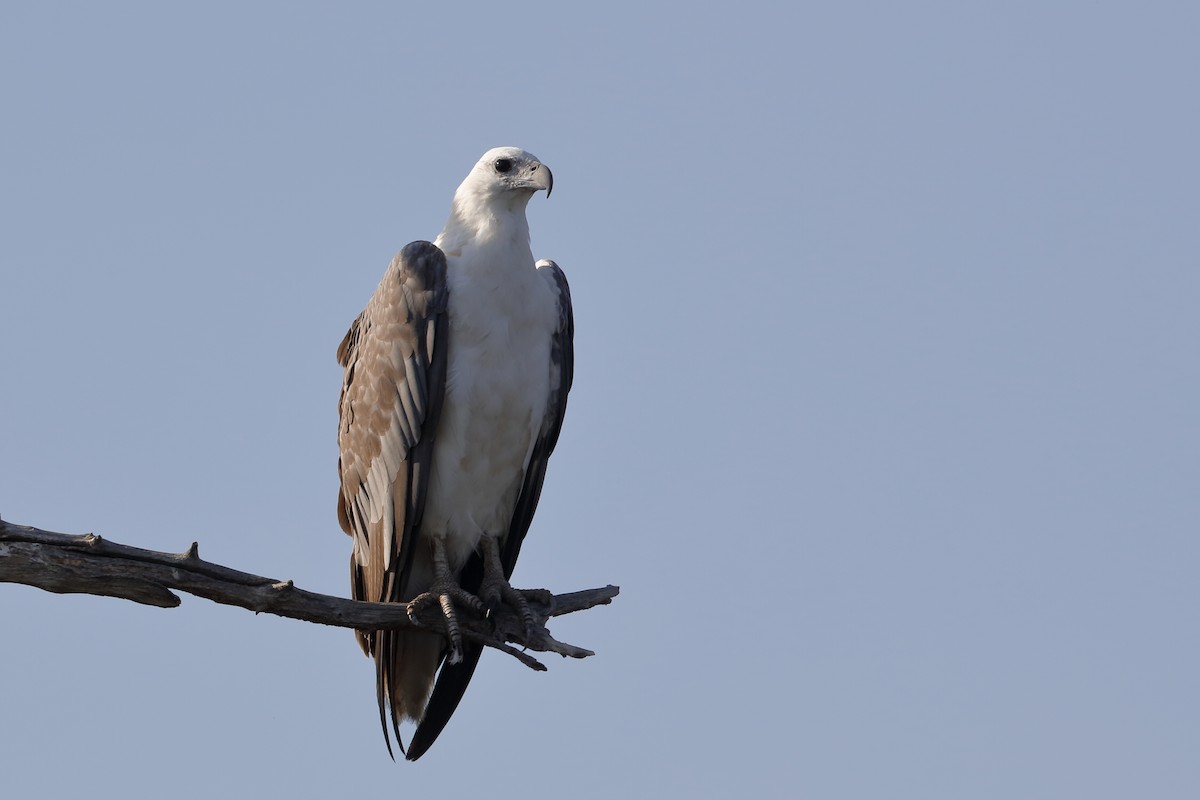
x: 488, y: 230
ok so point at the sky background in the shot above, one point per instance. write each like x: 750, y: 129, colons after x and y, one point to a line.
x: 885, y: 416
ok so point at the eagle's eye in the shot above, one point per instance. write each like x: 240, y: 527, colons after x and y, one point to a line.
x: 503, y: 165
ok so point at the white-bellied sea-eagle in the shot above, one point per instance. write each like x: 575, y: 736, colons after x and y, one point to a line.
x: 456, y: 380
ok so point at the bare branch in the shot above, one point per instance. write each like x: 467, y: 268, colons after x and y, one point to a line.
x: 88, y: 564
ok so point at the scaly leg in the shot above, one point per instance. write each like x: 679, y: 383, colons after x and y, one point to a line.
x: 445, y: 592
x: 496, y: 588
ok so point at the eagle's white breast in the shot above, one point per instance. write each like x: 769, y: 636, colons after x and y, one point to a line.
x: 502, y: 320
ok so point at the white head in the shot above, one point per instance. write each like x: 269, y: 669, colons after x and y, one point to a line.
x: 511, y: 169
x: 505, y: 177
x: 491, y: 200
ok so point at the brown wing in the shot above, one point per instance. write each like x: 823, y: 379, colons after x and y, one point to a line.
x: 394, y: 357
x: 453, y: 679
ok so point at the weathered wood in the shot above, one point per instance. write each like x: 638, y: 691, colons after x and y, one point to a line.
x: 89, y: 564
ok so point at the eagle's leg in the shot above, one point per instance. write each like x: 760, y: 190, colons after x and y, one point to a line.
x: 495, y: 587
x: 445, y: 592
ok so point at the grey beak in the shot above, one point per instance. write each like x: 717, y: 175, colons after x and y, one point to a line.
x: 541, y: 177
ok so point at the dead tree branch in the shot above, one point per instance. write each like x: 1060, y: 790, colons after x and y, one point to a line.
x: 89, y: 564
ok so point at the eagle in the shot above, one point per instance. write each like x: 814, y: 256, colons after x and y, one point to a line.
x: 455, y: 384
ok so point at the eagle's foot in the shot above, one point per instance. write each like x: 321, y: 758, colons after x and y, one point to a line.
x: 495, y: 589
x: 446, y: 594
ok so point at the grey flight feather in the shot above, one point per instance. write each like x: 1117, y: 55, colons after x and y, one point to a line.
x: 394, y: 356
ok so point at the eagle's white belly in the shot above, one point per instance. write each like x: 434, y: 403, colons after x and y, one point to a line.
x: 497, y: 385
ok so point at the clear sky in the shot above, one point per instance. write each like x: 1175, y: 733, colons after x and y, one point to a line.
x: 885, y: 416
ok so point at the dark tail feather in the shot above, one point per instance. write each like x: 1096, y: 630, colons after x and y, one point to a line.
x: 384, y: 660
x: 451, y: 684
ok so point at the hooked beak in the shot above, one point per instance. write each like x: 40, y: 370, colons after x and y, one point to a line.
x: 540, y: 177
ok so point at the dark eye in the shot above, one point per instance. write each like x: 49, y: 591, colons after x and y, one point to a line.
x: 503, y: 164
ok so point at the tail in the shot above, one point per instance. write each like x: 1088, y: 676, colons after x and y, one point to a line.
x: 447, y: 692
x: 405, y: 665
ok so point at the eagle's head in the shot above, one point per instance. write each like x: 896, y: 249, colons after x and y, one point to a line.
x: 506, y: 174
x: 491, y: 201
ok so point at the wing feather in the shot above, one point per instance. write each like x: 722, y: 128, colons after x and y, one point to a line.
x: 394, y: 356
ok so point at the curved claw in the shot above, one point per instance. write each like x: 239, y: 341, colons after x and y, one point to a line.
x: 495, y: 588
x: 446, y: 593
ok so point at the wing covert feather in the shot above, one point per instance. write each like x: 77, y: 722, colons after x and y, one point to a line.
x: 394, y: 356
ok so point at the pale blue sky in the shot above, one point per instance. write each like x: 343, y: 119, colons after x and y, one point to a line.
x: 885, y: 415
